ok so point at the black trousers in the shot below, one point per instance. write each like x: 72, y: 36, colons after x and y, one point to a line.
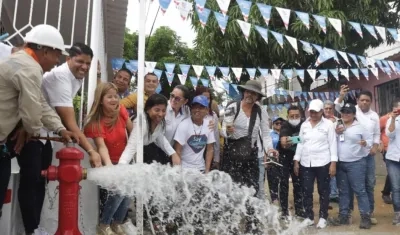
x: 387, y: 189
x: 308, y: 176
x: 287, y: 171
x: 35, y: 157
x: 152, y: 153
x: 5, y: 173
x: 274, y: 178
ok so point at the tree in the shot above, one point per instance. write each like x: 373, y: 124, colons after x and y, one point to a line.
x: 233, y: 50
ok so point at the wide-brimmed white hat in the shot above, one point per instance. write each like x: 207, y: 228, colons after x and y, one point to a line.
x: 252, y: 85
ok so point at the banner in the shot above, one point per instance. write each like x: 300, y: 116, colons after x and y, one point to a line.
x: 245, y: 27
x: 304, y: 17
x: 263, y: 32
x: 321, y: 22
x: 222, y: 21
x: 357, y: 28
x: 203, y: 16
x: 265, y: 11
x: 245, y: 8
x: 285, y: 16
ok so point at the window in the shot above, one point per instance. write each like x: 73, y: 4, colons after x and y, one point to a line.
x: 385, y: 94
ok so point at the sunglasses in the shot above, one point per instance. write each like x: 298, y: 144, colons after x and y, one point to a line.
x: 176, y: 98
x: 277, y: 123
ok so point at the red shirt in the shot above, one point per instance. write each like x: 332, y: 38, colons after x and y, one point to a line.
x: 384, y: 138
x: 115, y: 138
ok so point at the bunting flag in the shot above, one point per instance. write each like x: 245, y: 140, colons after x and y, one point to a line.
x: 355, y: 73
x: 182, y: 79
x: 344, y: 56
x: 203, y: 16
x: 134, y: 64
x: 335, y: 73
x: 317, y: 47
x: 393, y: 32
x: 204, y: 82
x: 278, y: 37
x: 300, y: 73
x: 251, y: 72
x: 263, y: 72
x: 184, y: 69
x: 371, y: 30
x: 364, y: 71
x: 382, y: 32
x: 158, y: 73
x: 307, y: 47
x: 288, y: 73
x: 185, y: 8
x: 375, y: 72
x: 263, y: 32
x: 276, y: 73
x: 285, y: 15
x: 312, y: 73
x: 158, y: 89
x: 117, y: 63
x: 170, y: 77
x: 245, y: 28
x: 265, y: 11
x: 150, y: 66
x: 363, y: 60
x: 164, y: 4
x: 333, y: 53
x: 198, y: 69
x: 211, y: 72
x: 237, y: 72
x: 321, y: 22
x: 222, y: 21
x: 194, y: 81
x: 293, y: 42
x: 224, y: 71
x: 336, y: 24
x: 304, y: 17
x: 324, y: 74
x: 223, y: 6
x: 200, y: 5
x: 169, y: 67
x: 129, y: 67
x: 357, y: 28
x: 245, y: 8
x: 354, y: 58
x: 324, y: 56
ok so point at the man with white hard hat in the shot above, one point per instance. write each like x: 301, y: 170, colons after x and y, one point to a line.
x: 22, y: 101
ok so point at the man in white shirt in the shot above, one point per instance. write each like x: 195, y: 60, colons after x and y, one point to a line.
x: 370, y: 120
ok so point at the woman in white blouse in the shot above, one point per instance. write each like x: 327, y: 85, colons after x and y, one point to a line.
x: 315, y: 158
x: 155, y: 109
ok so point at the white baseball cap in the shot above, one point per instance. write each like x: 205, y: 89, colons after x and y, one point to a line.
x: 316, y: 105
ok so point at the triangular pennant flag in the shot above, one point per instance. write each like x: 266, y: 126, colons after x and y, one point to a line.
x: 303, y: 104
x: 169, y: 67
x: 224, y: 71
x: 130, y: 67
x: 300, y: 73
x: 322, y: 95
x: 317, y: 47
x: 291, y: 93
x: 226, y: 86
x: 264, y: 72
x: 203, y: 16
x: 184, y: 68
x: 276, y: 73
x: 134, y: 64
x: 354, y: 58
x: 312, y: 73
x: 222, y: 21
x: 245, y: 8
x: 117, y: 63
x: 375, y: 72
x: 310, y: 94
x: 158, y: 73
x: 345, y: 73
x: 323, y: 56
x: 363, y: 60
x: 237, y: 72
x: 182, y: 79
x: 158, y: 89
x: 251, y: 72
x: 204, y: 82
x: 150, y: 65
x: 324, y: 74
x: 288, y: 73
x: 392, y: 65
x: 327, y: 95
x: 285, y: 15
x: 316, y: 95
x: 336, y: 24
x: 344, y: 56
x: 304, y: 17
x: 381, y: 31
x: 371, y: 62
x: 164, y: 4
x: 393, y: 32
x: 335, y: 73
x: 198, y: 69
x: 194, y: 81
x: 293, y: 42
x: 371, y: 30
x: 170, y: 77
x: 272, y: 107
x: 211, y: 71
x: 278, y: 37
x: 355, y: 73
x: 364, y: 71
x: 263, y: 32
x: 200, y: 4
x: 333, y: 53
x: 321, y: 20
x: 287, y: 106
x: 307, y: 47
x: 387, y: 70
x: 245, y: 28
x: 223, y: 5
x: 265, y: 11
x: 385, y: 63
x: 233, y: 87
x: 185, y: 8
x: 357, y: 28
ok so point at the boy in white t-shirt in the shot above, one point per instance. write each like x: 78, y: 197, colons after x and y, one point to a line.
x: 193, y: 136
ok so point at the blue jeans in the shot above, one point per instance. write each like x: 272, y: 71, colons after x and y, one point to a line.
x: 261, y: 179
x: 393, y: 169
x: 334, y: 189
x: 115, y: 209
x: 351, y: 178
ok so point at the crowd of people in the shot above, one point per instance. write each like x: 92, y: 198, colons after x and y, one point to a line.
x: 187, y: 130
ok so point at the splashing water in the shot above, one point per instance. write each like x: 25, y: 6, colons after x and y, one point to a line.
x: 209, y: 203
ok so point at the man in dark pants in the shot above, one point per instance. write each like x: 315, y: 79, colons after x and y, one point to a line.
x: 287, y: 150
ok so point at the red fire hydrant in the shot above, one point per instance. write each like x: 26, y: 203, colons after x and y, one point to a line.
x: 69, y: 173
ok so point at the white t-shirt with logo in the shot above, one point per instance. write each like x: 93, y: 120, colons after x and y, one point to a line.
x: 194, y: 140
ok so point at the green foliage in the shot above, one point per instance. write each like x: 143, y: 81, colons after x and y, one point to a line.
x: 233, y: 50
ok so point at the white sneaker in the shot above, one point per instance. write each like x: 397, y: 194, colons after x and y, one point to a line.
x: 322, y: 223
x: 129, y: 228
x: 307, y: 222
x: 41, y: 231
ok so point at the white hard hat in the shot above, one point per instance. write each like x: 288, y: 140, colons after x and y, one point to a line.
x: 46, y: 35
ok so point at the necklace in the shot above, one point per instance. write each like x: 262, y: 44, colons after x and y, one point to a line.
x: 194, y: 129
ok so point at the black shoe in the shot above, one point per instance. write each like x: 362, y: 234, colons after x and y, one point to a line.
x: 330, y: 207
x: 334, y: 199
x: 341, y: 220
x: 365, y: 222
x: 387, y: 199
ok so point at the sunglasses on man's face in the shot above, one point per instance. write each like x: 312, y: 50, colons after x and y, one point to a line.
x: 278, y: 123
x: 176, y: 98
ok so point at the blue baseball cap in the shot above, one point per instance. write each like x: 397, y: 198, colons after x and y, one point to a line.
x: 277, y: 118
x: 202, y: 100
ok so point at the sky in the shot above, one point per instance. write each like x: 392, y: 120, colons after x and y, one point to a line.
x: 171, y: 18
